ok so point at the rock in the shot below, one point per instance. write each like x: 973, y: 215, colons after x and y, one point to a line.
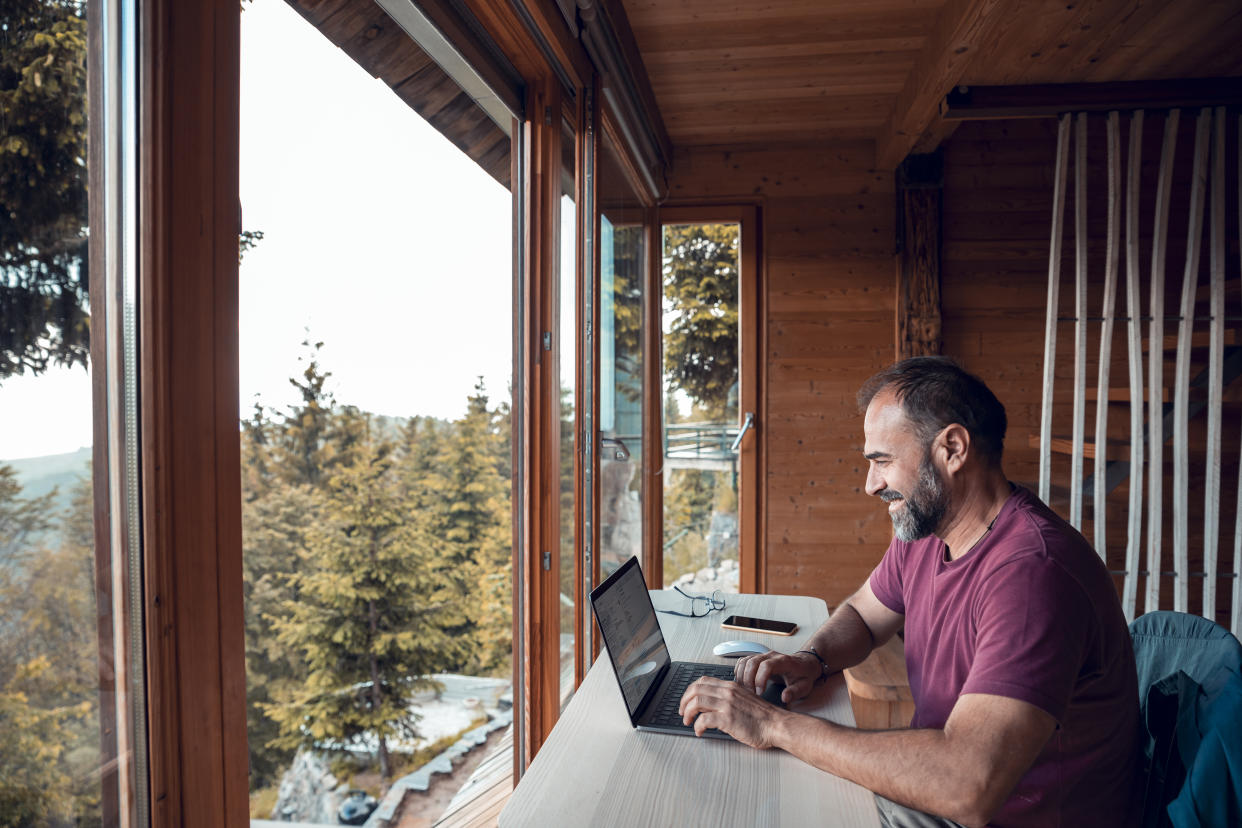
x: 308, y: 791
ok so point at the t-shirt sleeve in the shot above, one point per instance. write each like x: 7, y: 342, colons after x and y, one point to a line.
x: 886, y: 581
x: 1031, y: 620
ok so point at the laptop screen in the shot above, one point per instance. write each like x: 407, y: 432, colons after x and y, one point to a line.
x: 627, y: 621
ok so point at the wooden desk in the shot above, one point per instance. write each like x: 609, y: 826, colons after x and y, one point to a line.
x: 597, y: 770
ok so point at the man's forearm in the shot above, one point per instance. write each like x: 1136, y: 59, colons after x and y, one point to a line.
x: 844, y: 640
x: 917, y: 768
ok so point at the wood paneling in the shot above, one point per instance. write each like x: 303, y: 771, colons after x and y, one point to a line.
x: 998, y: 206
x: 828, y: 293
x: 750, y: 74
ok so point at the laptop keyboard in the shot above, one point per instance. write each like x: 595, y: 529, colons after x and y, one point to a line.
x: 685, y: 674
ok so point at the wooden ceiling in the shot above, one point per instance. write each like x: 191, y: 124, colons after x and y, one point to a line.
x: 737, y: 73
x: 369, y: 36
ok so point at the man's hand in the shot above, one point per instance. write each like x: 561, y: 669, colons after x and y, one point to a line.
x: 799, y: 672
x: 727, y: 706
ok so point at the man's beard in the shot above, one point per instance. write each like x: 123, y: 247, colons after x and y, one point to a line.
x: 925, y: 504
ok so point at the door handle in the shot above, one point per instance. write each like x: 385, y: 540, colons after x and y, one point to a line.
x: 747, y: 425
x: 620, y: 452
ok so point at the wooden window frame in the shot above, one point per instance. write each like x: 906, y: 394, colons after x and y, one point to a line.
x: 189, y: 62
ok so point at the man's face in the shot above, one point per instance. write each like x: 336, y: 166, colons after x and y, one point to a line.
x: 901, y: 471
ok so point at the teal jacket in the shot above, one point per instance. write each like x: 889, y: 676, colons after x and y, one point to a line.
x: 1190, y: 686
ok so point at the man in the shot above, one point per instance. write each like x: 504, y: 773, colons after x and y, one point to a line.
x: 1026, y: 701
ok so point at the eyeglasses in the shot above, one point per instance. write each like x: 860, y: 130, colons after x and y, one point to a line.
x: 711, y: 603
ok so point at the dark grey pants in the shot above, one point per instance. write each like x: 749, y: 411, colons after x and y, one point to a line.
x: 893, y: 815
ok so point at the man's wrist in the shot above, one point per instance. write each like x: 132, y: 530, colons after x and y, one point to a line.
x: 823, y: 665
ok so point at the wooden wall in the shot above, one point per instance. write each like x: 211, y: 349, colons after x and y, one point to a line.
x: 827, y: 222
x: 829, y: 279
x: 997, y: 219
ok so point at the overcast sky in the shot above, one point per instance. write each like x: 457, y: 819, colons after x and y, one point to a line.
x: 380, y: 237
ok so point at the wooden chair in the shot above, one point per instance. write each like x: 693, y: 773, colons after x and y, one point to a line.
x: 880, y: 688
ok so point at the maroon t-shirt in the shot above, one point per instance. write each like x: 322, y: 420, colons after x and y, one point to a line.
x: 1030, y: 613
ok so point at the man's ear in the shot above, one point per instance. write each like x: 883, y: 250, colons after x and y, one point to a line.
x: 955, y: 446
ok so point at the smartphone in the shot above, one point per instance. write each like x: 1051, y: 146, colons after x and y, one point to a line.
x: 767, y: 625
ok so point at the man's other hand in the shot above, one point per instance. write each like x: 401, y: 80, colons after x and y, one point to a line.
x: 799, y: 672
x: 727, y: 706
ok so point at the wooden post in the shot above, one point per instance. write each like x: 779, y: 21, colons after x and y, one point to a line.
x: 920, y: 187
x: 1134, y: 333
x: 1080, y: 322
x: 1216, y: 354
x: 1106, y: 332
x: 1181, y: 388
x: 1050, y: 319
x: 1155, y: 376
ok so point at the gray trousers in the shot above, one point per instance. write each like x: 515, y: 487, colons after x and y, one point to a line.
x: 893, y: 815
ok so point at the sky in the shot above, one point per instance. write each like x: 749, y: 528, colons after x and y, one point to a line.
x: 381, y: 239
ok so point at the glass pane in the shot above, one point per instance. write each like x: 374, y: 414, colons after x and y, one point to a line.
x: 622, y: 267
x: 700, y: 322
x: 376, y: 344
x: 567, y: 354
x: 53, y: 765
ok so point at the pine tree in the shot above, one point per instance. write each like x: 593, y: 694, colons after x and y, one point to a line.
x: 466, y: 502
x: 372, y: 613
x: 273, y: 538
x: 49, y: 676
x: 258, y: 474
x: 299, y: 453
x: 36, y: 785
x: 43, y: 274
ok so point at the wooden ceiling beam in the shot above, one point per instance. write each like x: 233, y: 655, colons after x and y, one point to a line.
x: 962, y: 28
x: 981, y: 103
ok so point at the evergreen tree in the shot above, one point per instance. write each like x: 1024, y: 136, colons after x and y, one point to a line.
x: 466, y: 506
x: 36, y: 785
x: 701, y: 293
x: 372, y: 613
x: 49, y: 677
x: 300, y: 452
x: 273, y: 539
x: 258, y: 474
x: 43, y: 275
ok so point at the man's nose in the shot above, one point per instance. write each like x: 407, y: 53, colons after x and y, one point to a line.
x: 875, y: 481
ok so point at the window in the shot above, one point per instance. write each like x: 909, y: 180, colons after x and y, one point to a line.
x: 72, y: 717
x: 376, y: 454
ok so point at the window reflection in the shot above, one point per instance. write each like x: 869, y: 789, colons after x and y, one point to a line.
x: 622, y: 268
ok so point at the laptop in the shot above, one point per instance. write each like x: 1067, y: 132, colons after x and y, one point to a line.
x: 652, y: 684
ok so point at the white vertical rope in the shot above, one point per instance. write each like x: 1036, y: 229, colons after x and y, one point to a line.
x: 1100, y: 491
x: 1155, y: 353
x: 1181, y: 386
x: 1050, y: 320
x: 1080, y: 320
x: 1134, y: 309
x: 1216, y: 357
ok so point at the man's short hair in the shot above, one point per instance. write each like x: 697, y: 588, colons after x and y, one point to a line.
x: 935, y: 392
